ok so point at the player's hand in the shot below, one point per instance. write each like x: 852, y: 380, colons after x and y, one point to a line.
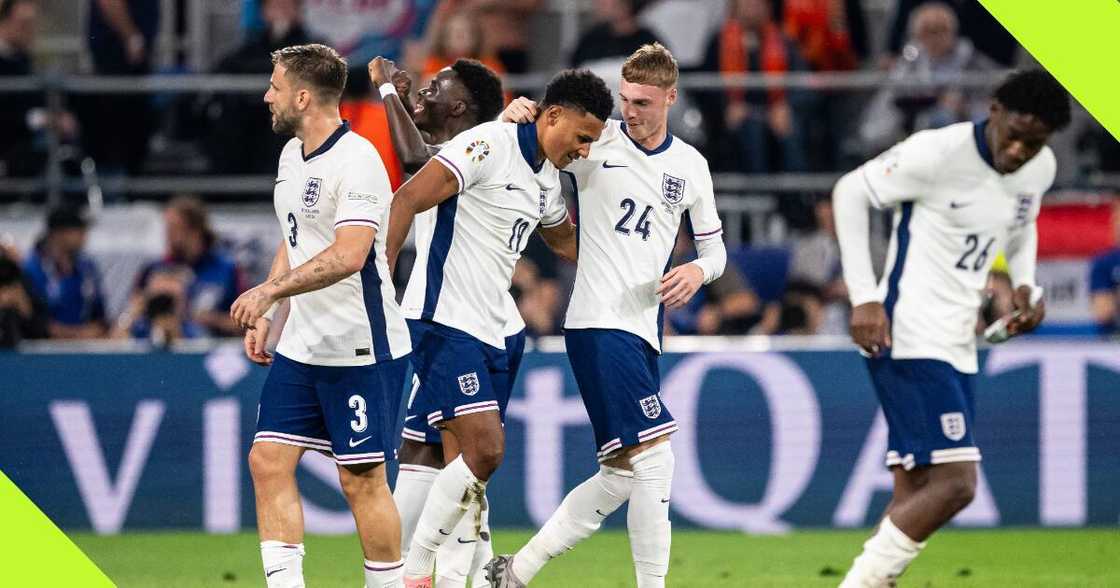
x: 255, y: 340
x: 403, y: 83
x: 1028, y: 316
x: 381, y: 71
x: 870, y: 328
x: 520, y: 110
x: 678, y: 286
x: 251, y: 306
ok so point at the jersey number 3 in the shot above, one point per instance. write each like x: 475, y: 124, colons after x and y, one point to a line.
x: 972, y: 242
x: 293, y: 229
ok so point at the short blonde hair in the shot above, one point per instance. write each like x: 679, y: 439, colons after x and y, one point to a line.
x: 651, y: 65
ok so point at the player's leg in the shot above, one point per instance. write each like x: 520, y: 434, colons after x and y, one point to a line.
x: 460, y: 377
x: 360, y: 407
x: 420, y: 463
x: 929, y: 410
x: 647, y: 520
x: 289, y: 422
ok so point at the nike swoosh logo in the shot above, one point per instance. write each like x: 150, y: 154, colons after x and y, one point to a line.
x: 465, y: 542
x: 664, y: 500
x: 442, y: 532
x: 409, y: 418
x: 959, y: 204
x: 278, y: 181
x: 600, y: 513
x: 269, y: 573
x: 354, y: 443
x: 511, y: 187
x: 609, y: 166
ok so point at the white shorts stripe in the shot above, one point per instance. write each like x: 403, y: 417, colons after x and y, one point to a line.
x: 657, y: 431
x: 486, y: 403
x: 413, y: 434
x: 954, y: 455
x: 296, y: 440
x: 493, y: 408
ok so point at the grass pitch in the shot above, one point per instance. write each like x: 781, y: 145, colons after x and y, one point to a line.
x: 1016, y: 558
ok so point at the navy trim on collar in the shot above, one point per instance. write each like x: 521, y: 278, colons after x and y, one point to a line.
x: 530, y: 148
x: 982, y: 143
x: 331, y: 140
x: 663, y: 146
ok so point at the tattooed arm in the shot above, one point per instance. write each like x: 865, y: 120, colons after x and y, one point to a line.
x: 344, y: 257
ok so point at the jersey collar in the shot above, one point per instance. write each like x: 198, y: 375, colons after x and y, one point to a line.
x: 331, y: 140
x: 982, y: 143
x: 662, y: 147
x: 530, y: 148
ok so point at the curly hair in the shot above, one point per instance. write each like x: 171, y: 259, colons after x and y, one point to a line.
x: 579, y: 89
x: 483, y: 85
x: 1037, y: 93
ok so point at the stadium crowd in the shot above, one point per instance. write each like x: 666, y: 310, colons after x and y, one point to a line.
x: 54, y: 290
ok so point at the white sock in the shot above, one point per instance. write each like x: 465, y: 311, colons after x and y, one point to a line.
x: 384, y: 574
x: 283, y: 564
x: 647, y: 519
x: 452, y: 493
x: 885, y: 556
x: 411, y: 491
x: 453, y: 560
x: 579, y: 515
x: 483, y: 550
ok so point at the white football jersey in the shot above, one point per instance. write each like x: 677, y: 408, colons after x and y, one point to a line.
x: 425, y: 223
x: 630, y: 202
x: 953, y: 213
x: 465, y: 259
x: 355, y: 321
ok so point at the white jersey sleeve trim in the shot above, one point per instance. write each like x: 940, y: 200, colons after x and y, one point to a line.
x: 557, y: 223
x: 357, y: 222
x: 709, y: 235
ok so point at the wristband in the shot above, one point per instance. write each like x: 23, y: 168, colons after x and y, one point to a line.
x: 387, y: 89
x: 268, y: 314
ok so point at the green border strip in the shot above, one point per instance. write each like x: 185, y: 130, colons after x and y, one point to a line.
x: 1076, y: 42
x: 35, y: 552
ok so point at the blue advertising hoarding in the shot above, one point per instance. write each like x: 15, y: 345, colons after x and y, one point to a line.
x: 769, y: 441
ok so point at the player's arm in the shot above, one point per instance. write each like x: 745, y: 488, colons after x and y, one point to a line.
x: 1022, y: 255
x: 434, y: 183
x: 257, y: 337
x: 702, y: 221
x: 341, y: 259
x: 520, y: 110
x: 408, y: 141
x: 561, y: 239
x: 852, y: 203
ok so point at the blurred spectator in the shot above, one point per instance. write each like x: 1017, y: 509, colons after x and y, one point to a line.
x: 67, y: 280
x: 363, y: 30
x: 935, y: 53
x: 213, y: 281
x: 727, y: 306
x: 236, y: 121
x: 505, y: 25
x: 23, y: 119
x: 832, y: 36
x: 159, y: 313
x: 799, y: 312
x: 978, y: 25
x: 815, y: 262
x: 616, y: 34
x: 764, y: 124
x: 121, y: 35
x: 1104, y: 283
x: 458, y: 35
x: 21, y: 315
x: 538, y: 299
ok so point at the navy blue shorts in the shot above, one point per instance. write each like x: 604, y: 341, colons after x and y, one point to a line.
x: 350, y: 413
x: 456, y: 374
x: 620, y: 383
x: 929, y: 408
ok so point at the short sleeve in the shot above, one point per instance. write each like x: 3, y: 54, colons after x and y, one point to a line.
x: 903, y: 172
x: 472, y: 155
x: 556, y: 209
x: 363, y: 193
x: 701, y: 217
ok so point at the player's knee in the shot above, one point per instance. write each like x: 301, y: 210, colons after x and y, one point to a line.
x: 484, y: 457
x: 359, y: 482
x: 265, y: 467
x: 958, y: 491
